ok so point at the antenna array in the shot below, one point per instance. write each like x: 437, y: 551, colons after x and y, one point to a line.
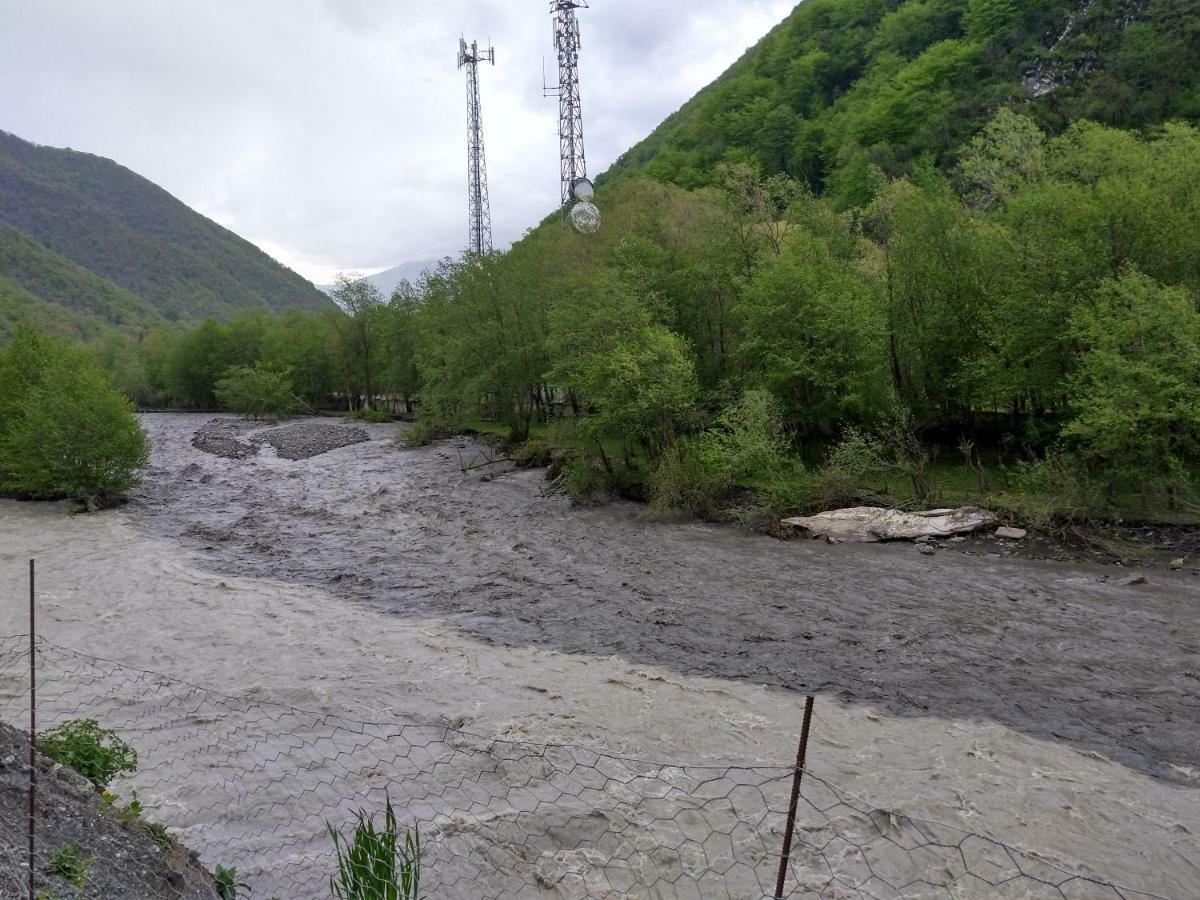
x: 479, y: 240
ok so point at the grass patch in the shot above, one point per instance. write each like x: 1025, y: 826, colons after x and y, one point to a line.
x: 71, y: 863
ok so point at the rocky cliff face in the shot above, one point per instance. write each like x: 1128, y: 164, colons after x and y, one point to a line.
x: 1064, y: 62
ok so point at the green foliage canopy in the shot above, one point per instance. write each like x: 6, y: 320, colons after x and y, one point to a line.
x: 64, y: 432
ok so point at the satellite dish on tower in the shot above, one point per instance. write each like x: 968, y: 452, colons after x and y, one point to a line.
x: 583, y: 190
x: 585, y: 217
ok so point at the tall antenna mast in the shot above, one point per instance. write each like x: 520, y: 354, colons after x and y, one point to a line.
x: 576, y: 188
x: 479, y: 240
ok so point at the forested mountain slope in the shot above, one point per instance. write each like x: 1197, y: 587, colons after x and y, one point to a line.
x: 132, y: 235
x: 845, y: 89
x: 55, y: 294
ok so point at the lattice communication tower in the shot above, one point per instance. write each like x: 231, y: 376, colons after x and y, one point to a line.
x: 479, y: 240
x: 577, y: 190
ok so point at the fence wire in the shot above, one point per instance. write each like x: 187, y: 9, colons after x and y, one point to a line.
x: 255, y: 785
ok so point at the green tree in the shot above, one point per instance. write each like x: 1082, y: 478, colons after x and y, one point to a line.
x: 258, y: 391
x: 118, y: 355
x: 812, y: 333
x: 1135, y: 400
x: 360, y: 300
x: 643, y: 388
x: 399, y: 373
x: 64, y: 432
x: 1007, y: 154
x: 991, y: 19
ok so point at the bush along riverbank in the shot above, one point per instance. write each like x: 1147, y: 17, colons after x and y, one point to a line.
x: 65, y: 432
x: 743, y: 470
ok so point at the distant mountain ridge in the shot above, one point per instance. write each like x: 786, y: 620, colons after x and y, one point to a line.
x: 144, y: 255
x: 387, y: 281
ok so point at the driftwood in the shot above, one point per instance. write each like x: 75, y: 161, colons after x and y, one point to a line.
x: 464, y: 467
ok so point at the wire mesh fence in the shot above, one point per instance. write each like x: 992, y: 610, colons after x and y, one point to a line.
x: 255, y: 785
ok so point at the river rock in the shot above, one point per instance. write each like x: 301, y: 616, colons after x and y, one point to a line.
x: 866, y: 524
x: 1177, y: 564
x: 1012, y: 534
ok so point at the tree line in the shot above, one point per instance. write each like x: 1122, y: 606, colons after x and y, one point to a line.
x: 1028, y: 317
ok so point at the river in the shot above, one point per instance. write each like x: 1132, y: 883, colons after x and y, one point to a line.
x: 1043, y: 704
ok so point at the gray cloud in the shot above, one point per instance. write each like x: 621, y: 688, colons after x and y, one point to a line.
x: 332, y: 132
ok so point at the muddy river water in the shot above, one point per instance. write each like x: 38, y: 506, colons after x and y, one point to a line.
x: 1043, y: 704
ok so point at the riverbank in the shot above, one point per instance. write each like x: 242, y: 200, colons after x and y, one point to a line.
x: 78, y: 835
x: 1133, y: 537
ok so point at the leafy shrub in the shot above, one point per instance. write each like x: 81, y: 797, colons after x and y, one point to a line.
x: 70, y: 863
x: 746, y: 440
x: 375, y: 414
x: 686, y: 480
x: 1054, y: 489
x: 64, y: 432
x: 788, y: 490
x: 860, y: 466
x: 425, y: 432
x: 258, y: 391
x: 747, y: 437
x: 582, y: 478
x: 534, y: 453
x: 96, y: 753
x: 375, y: 865
x: 131, y: 812
x: 126, y: 815
x: 855, y: 472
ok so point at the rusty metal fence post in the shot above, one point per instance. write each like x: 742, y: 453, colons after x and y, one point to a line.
x: 33, y: 778
x: 790, y: 831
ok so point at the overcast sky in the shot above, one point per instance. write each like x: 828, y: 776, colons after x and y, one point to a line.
x: 332, y: 133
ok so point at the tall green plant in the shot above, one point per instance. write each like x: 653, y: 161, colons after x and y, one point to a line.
x: 377, y: 864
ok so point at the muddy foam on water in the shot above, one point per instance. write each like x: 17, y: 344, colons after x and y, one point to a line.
x: 381, y: 585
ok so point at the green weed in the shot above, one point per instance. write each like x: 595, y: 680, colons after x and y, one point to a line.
x: 96, y: 753
x: 228, y: 886
x: 375, y: 864
x: 70, y: 863
x: 162, y: 837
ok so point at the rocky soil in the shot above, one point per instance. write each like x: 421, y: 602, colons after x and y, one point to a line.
x: 241, y: 439
x: 128, y: 863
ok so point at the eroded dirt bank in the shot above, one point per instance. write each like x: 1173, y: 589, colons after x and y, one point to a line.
x: 1058, y: 650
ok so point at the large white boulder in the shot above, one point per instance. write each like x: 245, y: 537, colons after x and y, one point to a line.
x: 865, y: 524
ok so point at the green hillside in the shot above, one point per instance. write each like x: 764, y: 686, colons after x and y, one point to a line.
x: 132, y: 236
x: 55, y: 294
x: 845, y: 91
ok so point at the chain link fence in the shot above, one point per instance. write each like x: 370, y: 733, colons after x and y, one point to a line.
x: 255, y: 785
